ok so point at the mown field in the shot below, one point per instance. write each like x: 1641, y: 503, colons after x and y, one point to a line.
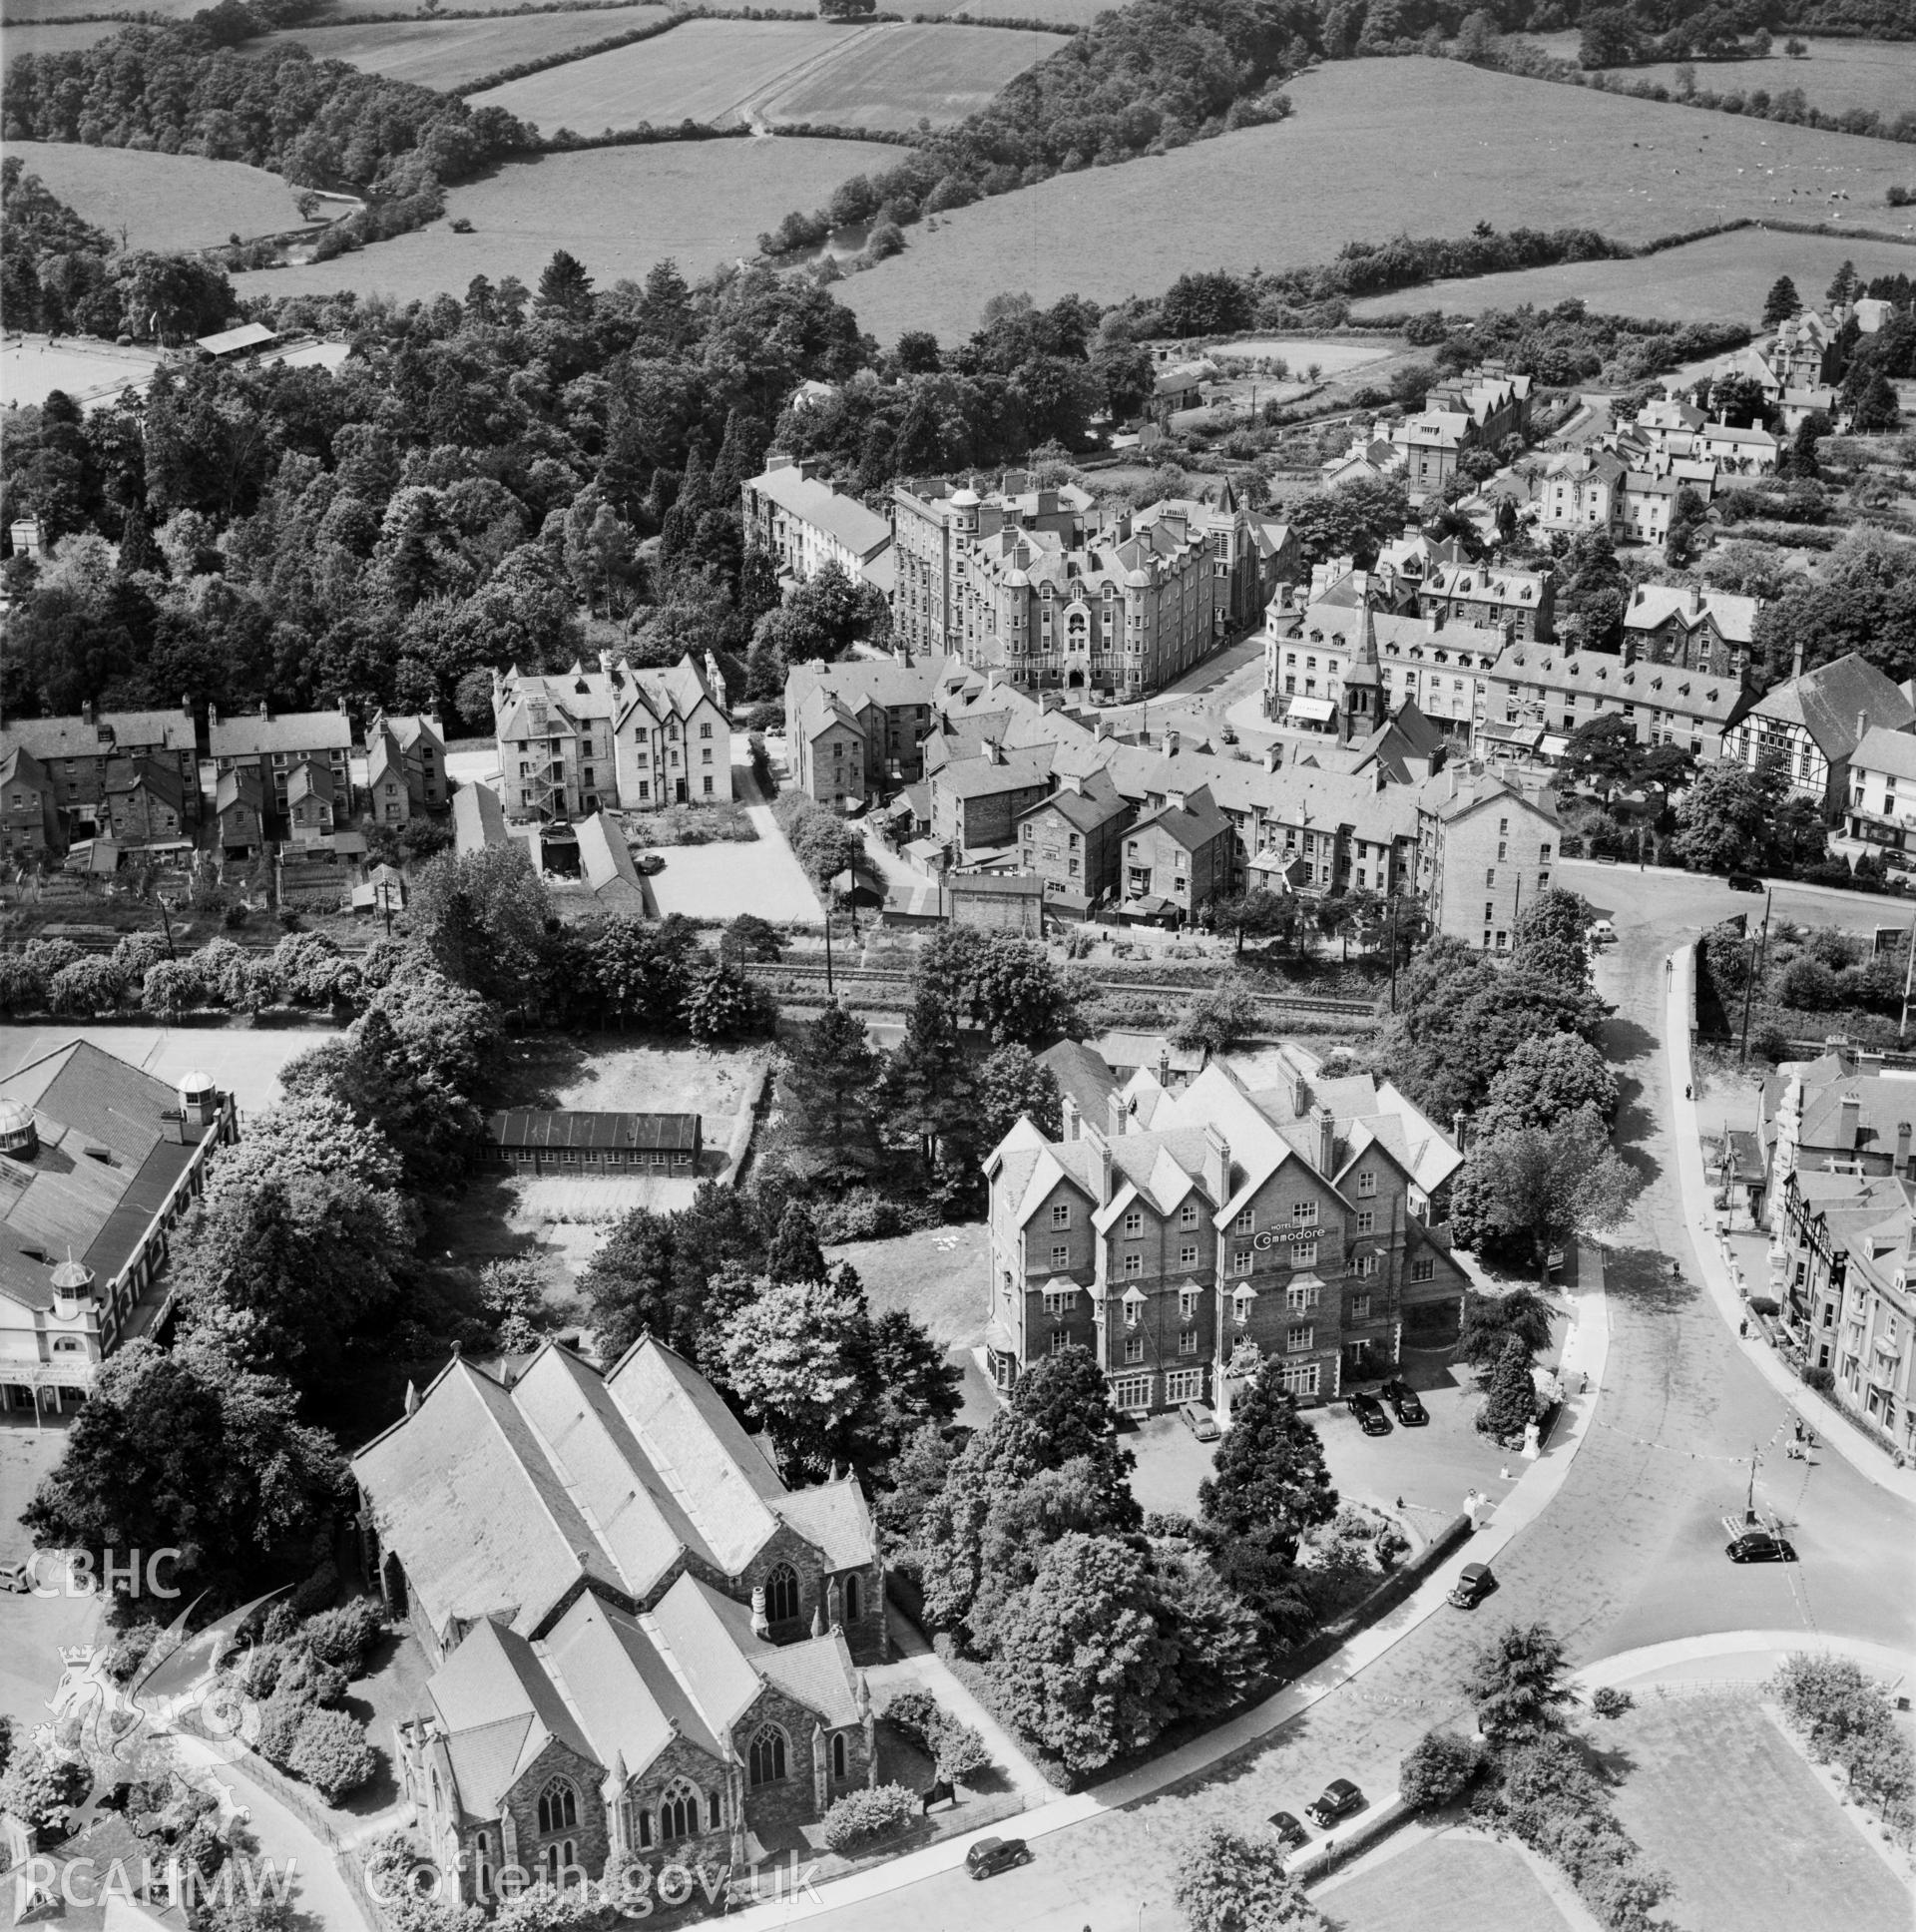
x: 160, y: 201
x: 781, y: 71
x: 1375, y: 148
x: 619, y: 209
x: 1059, y: 13
x: 22, y: 10
x: 704, y: 70
x: 901, y: 75
x: 449, y: 53
x: 1834, y: 74
x: 1721, y: 279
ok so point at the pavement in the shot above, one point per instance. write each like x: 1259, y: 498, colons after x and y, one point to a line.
x: 1624, y: 1551
x: 1721, y: 1274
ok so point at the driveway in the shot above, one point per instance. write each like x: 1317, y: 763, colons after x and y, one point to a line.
x: 723, y: 881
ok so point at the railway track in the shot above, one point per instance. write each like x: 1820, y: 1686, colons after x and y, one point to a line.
x: 878, y: 977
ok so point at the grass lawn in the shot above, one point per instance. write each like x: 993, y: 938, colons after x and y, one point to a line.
x: 938, y: 1276
x: 1718, y: 1797
x: 707, y: 69
x: 1446, y: 1884
x: 1834, y: 74
x: 1375, y: 148
x: 902, y: 74
x: 1723, y: 277
x: 164, y: 201
x: 83, y: 367
x: 617, y: 210
x: 448, y: 53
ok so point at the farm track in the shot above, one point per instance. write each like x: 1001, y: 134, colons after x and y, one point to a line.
x: 755, y: 107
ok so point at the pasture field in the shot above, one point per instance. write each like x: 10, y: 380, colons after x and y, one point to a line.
x: 619, y: 209
x: 53, y: 37
x: 88, y: 370
x: 1721, y: 279
x: 704, y: 70
x: 1835, y: 75
x: 1060, y: 13
x: 160, y: 201
x: 1375, y: 148
x: 449, y: 53
x: 28, y: 10
x: 904, y: 74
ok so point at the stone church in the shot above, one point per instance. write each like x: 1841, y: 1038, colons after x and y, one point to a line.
x: 648, y: 1646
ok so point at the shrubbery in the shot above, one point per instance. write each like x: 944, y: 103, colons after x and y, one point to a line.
x: 332, y: 1753
x: 1438, y: 1770
x: 858, y: 1817
x: 958, y: 1748
x: 1847, y: 1720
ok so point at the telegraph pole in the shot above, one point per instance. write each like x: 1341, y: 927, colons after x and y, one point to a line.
x: 831, y: 992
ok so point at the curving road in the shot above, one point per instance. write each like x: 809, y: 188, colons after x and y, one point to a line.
x: 1628, y: 1554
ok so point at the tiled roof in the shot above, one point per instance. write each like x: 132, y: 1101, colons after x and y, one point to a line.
x: 1885, y: 751
x: 606, y: 861
x: 1652, y: 605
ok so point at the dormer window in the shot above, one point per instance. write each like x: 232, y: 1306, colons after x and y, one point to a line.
x: 1242, y: 1301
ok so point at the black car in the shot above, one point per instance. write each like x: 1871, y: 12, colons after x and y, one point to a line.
x: 1341, y: 1797
x: 1474, y: 1583
x: 1370, y: 1415
x: 989, y: 1856
x: 649, y: 863
x: 1404, y: 1403
x: 1745, y: 882
x: 1758, y: 1546
x: 1289, y: 1828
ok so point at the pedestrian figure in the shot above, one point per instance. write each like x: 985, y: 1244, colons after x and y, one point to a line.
x: 1743, y: 1328
x: 1800, y: 1428
x: 1583, y: 1386
x: 1690, y: 1092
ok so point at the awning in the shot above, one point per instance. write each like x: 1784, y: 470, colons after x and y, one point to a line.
x: 1320, y: 711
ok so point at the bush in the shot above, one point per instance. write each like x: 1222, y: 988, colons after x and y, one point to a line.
x: 317, y: 1592
x: 860, y: 1817
x: 130, y: 1650
x: 1608, y: 1701
x: 1821, y: 1380
x: 332, y: 1753
x: 1847, y: 1720
x: 1438, y: 1770
x: 958, y: 1748
x: 280, y: 1720
x: 1761, y: 1304
x: 346, y: 1636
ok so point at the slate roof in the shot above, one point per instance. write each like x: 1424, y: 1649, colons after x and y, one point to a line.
x: 1825, y: 703
x: 238, y: 787
x: 1652, y: 605
x: 148, y: 774
x: 1693, y: 692
x: 842, y: 518
x: 1482, y: 583
x: 248, y: 734
x: 606, y: 861
x: 1082, y: 1074
x: 478, y: 818
x: 68, y: 1198
x: 1885, y: 751
x: 1193, y: 824
x: 108, y: 733
x: 983, y: 777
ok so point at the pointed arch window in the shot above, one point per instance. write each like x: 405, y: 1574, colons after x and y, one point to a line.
x: 765, y: 1762
x: 558, y: 1806
x: 781, y: 1593
x: 679, y: 1813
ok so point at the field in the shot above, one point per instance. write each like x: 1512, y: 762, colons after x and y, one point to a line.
x: 1447, y: 1884
x: 56, y: 37
x: 1718, y: 1797
x: 619, y: 209
x: 68, y: 10
x: 1060, y: 13
x: 1375, y: 148
x: 449, y: 53
x: 901, y: 75
x: 1836, y: 74
x: 161, y: 201
x: 726, y: 71
x: 87, y: 369
x: 1723, y: 277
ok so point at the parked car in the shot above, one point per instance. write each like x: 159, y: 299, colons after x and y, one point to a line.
x: 1758, y: 1546
x: 1229, y: 735
x: 15, y: 1577
x: 1601, y: 934
x: 649, y: 863
x: 1197, y: 1418
x: 1289, y: 1828
x: 1474, y: 1584
x: 1370, y: 1415
x: 1405, y: 1404
x: 989, y: 1856
x: 1745, y: 882
x: 1341, y: 1797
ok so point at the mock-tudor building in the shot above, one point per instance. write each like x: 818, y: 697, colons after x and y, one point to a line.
x: 645, y: 1642
x: 575, y: 741
x: 1190, y: 1233
x: 1815, y: 722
